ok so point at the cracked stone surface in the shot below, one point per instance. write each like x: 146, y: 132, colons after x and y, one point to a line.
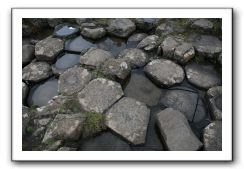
x: 48, y: 49
x: 121, y: 27
x: 134, y: 56
x: 164, y: 72
x: 149, y: 43
x: 73, y: 80
x: 212, y: 136
x: 129, y: 118
x: 94, y: 57
x: 214, y: 96
x: 65, y: 127
x: 36, y: 71
x: 176, y: 132
x: 99, y: 95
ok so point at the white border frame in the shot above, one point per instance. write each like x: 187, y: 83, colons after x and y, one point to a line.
x: 19, y: 155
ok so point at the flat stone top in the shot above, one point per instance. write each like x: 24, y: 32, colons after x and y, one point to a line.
x: 164, y: 72
x: 99, y: 95
x: 129, y: 118
x: 202, y: 76
x: 176, y: 131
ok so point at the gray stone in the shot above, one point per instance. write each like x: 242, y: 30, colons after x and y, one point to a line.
x: 87, y: 25
x: 54, y: 106
x: 105, y: 142
x: 79, y: 21
x: 53, y: 22
x: 54, y: 146
x: 164, y: 29
x: 142, y: 89
x: 202, y: 76
x: 208, y: 46
x: 36, y: 71
x: 121, y: 27
x: 186, y: 102
x: 65, y: 127
x: 129, y: 118
x: 39, y: 131
x: 149, y: 43
x: 116, y: 68
x: 99, y: 95
x: 25, y: 90
x: 220, y: 58
x: 73, y: 80
x: 27, y: 53
x: 48, y: 49
x: 42, y: 122
x: 212, y: 136
x: 164, y: 72
x: 168, y: 46
x: 176, y: 132
x: 93, y: 33
x: 145, y: 24
x: 38, y: 23
x: 67, y: 149
x: 25, y: 118
x: 26, y: 30
x: 137, y: 37
x: 214, y: 97
x: 203, y: 24
x: 134, y: 56
x: 94, y: 57
x: 184, y: 53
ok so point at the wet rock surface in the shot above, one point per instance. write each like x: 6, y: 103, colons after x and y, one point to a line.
x: 129, y: 118
x: 105, y: 142
x: 172, y: 73
x: 212, y: 137
x: 73, y: 80
x: 99, y: 95
x: 142, y: 89
x: 203, y: 76
x: 176, y: 132
x: 75, y: 72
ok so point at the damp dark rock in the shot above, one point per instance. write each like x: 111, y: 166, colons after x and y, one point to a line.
x: 25, y: 90
x: 64, y: 62
x: 149, y: 43
x: 94, y: 57
x: 40, y: 94
x: 54, y: 146
x: 203, y: 24
x: 134, y: 56
x: 80, y: 21
x: 142, y: 89
x: 73, y: 80
x: 176, y: 132
x: 134, y: 39
x: 121, y: 27
x: 212, y: 136
x: 116, y: 68
x: 105, y: 142
x: 78, y: 45
x: 65, y: 127
x: 53, y: 22
x: 186, y: 101
x: 27, y: 54
x: 65, y: 31
x: 26, y: 30
x: 214, y: 97
x: 48, y: 49
x: 67, y: 149
x: 145, y: 24
x: 129, y: 118
x: 93, y: 33
x: 202, y: 76
x: 36, y: 71
x: 164, y: 72
x: 25, y: 119
x: 99, y: 95
x: 208, y: 46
